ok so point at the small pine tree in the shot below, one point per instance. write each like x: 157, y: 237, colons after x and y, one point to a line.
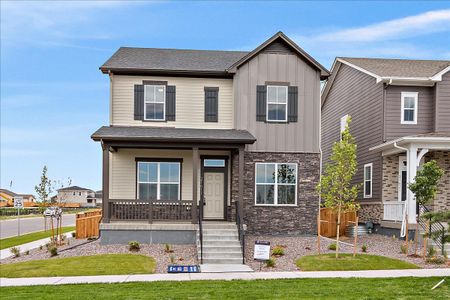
x: 335, y: 186
x: 44, y: 189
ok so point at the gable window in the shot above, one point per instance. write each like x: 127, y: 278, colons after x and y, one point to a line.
x: 368, y: 180
x: 275, y: 184
x: 154, y: 102
x: 409, y: 107
x: 343, y: 124
x: 158, y: 180
x: 277, y: 103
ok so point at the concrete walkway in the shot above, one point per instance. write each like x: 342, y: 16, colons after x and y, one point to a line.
x: 5, y: 253
x: 222, y: 276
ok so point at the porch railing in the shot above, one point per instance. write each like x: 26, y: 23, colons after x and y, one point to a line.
x: 149, y: 210
x: 240, y: 228
x: 393, y: 211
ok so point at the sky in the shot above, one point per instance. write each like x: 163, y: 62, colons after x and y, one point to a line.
x: 53, y: 96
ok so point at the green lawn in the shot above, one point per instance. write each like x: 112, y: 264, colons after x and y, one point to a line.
x: 106, y: 264
x: 346, y: 262
x: 26, y: 238
x: 349, y: 288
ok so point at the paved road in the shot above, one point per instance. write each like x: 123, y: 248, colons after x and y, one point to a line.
x: 8, y: 228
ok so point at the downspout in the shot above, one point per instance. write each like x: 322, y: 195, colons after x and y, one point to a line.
x: 405, y: 208
x: 385, y: 86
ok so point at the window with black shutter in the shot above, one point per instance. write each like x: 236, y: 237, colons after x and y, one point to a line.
x: 211, y: 104
x: 154, y: 101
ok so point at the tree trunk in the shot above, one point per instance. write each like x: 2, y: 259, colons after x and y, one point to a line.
x: 338, y: 229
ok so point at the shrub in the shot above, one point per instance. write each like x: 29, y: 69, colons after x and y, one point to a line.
x: 270, y: 263
x: 168, y: 248
x: 53, y: 250
x: 332, y: 247
x: 364, y: 248
x: 278, y: 251
x: 172, y: 259
x: 41, y: 247
x: 431, y: 251
x: 134, y: 246
x: 403, y: 248
x: 15, y: 251
x: 74, y: 234
x: 27, y: 252
x: 437, y: 260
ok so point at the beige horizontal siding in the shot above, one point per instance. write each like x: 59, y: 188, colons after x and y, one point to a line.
x: 123, y: 170
x: 190, y: 102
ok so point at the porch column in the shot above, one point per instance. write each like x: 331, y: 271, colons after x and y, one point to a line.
x: 411, y: 171
x: 241, y: 184
x: 194, y: 183
x: 105, y: 184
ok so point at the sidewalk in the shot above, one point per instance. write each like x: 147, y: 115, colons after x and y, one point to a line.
x: 5, y: 253
x: 222, y: 276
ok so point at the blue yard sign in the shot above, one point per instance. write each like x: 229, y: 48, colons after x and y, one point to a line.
x: 183, y: 269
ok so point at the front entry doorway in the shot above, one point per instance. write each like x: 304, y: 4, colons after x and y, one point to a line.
x: 214, y: 187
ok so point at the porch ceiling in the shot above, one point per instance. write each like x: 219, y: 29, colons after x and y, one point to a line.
x: 136, y: 134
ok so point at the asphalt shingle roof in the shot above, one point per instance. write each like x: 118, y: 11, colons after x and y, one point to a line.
x: 73, y: 188
x: 167, y: 134
x: 172, y: 59
x: 399, y: 67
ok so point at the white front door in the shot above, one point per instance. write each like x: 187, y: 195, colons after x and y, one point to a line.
x: 214, y: 195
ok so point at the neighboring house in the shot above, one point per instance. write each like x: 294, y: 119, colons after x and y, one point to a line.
x: 75, y: 194
x: 95, y: 198
x: 7, y: 198
x: 236, y: 130
x: 400, y: 112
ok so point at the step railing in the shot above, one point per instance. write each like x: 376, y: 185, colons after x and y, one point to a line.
x: 200, y: 228
x: 434, y: 229
x: 240, y: 227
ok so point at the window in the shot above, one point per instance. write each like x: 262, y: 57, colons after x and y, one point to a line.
x: 73, y: 193
x: 214, y: 163
x: 276, y: 184
x: 154, y: 102
x: 343, y: 124
x: 79, y: 193
x: 368, y: 180
x: 277, y: 103
x: 158, y: 180
x: 409, y: 107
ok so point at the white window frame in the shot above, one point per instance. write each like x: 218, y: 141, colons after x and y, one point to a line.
x: 148, y: 102
x: 416, y: 107
x: 158, y: 178
x: 365, y: 180
x: 344, y: 120
x: 275, y: 184
x: 267, y: 102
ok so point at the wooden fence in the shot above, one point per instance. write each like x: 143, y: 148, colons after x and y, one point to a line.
x: 328, y: 226
x: 87, y: 224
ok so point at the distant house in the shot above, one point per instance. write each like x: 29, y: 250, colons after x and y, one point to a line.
x: 7, y: 197
x: 75, y: 194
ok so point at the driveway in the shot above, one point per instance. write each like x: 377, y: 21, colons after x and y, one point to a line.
x: 8, y: 228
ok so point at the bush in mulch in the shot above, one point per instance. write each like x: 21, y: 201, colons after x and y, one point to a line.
x: 436, y: 260
x: 134, y: 246
x: 53, y: 250
x: 364, y: 248
x: 270, y: 263
x: 278, y: 251
x: 168, y: 248
x: 15, y: 251
x: 332, y: 247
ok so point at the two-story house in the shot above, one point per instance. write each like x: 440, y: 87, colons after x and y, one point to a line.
x: 76, y: 195
x: 400, y: 111
x: 211, y: 138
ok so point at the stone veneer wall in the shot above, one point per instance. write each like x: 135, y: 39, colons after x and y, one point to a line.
x: 442, y: 200
x: 279, y: 220
x: 371, y: 212
x: 390, y: 178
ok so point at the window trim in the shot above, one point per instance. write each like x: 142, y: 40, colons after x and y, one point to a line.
x: 342, y: 129
x: 145, y: 103
x: 371, y: 180
x: 416, y: 107
x: 158, y: 182
x: 286, y: 104
x: 276, y: 183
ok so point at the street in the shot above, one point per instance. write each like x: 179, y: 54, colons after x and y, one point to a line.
x: 8, y: 228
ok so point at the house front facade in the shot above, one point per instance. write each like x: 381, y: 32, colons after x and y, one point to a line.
x: 400, y: 111
x: 202, y: 138
x: 76, y: 195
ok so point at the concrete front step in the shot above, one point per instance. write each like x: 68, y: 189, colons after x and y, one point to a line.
x: 231, y: 232
x: 220, y: 243
x: 222, y: 248
x: 207, y: 225
x: 222, y: 238
x: 222, y: 260
x: 222, y: 255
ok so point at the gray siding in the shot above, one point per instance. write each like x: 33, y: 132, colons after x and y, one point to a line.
x: 443, y: 104
x: 356, y: 94
x: 425, y: 116
x: 300, y: 136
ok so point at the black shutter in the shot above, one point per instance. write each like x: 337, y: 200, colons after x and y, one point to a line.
x: 139, y: 102
x: 211, y: 104
x: 292, y: 104
x: 261, y: 99
x: 170, y: 102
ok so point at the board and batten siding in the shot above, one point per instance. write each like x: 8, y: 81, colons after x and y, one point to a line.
x: 356, y: 94
x: 425, y: 115
x: 300, y: 136
x: 190, y: 102
x: 123, y: 170
x: 443, y: 104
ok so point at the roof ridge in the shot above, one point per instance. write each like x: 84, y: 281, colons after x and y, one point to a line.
x: 183, y: 49
x: 399, y: 59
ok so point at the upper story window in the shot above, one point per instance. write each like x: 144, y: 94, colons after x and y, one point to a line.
x: 79, y: 193
x: 275, y: 184
x: 154, y: 102
x: 73, y: 193
x: 277, y: 99
x: 343, y: 124
x: 409, y: 107
x: 158, y: 180
x: 368, y: 180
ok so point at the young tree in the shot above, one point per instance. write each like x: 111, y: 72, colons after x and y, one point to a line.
x: 335, y: 186
x: 44, y: 189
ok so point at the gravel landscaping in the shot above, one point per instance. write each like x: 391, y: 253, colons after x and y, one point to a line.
x: 295, y: 247
x: 182, y: 254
